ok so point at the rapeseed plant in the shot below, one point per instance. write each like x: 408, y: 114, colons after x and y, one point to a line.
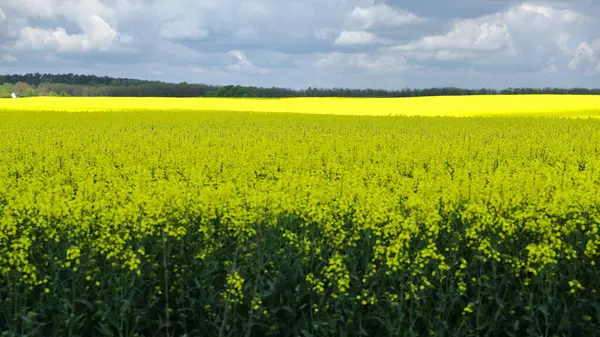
x: 274, y: 224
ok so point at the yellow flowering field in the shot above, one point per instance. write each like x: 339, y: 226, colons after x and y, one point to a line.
x: 156, y: 221
x: 555, y: 105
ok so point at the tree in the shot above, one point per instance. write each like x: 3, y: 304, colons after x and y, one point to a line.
x: 90, y: 85
x: 21, y: 88
x: 4, y: 93
x: 30, y: 92
x: 43, y: 89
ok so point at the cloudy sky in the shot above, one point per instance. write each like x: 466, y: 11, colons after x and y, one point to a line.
x: 321, y: 43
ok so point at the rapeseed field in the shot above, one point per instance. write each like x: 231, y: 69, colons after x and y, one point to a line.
x: 485, y: 105
x: 119, y: 219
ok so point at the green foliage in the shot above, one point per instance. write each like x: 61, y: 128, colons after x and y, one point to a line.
x: 4, y: 93
x: 90, y: 85
x: 22, y: 88
x: 8, y: 86
x: 29, y: 92
x: 235, y: 91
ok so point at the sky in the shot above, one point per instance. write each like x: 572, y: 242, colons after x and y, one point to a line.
x: 382, y: 44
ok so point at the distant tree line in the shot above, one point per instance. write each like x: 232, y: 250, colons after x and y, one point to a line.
x: 90, y: 85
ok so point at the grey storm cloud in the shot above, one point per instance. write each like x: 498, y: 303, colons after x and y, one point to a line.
x: 326, y: 43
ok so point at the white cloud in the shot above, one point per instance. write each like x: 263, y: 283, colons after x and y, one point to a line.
x: 97, y: 35
x: 447, y: 55
x: 503, y: 42
x: 98, y: 31
x: 382, y: 14
x: 383, y: 63
x: 240, y: 56
x: 585, y: 55
x: 182, y: 30
x: 467, y: 36
x: 565, y: 16
x: 173, y: 50
x: 126, y: 38
x: 34, y: 8
x: 72, y: 10
x: 96, y: 22
x: 243, y: 64
x: 362, y: 61
x: 8, y: 58
x: 526, y: 32
x: 355, y: 37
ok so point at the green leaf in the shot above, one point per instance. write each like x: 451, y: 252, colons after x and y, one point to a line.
x: 543, y: 309
x: 306, y: 333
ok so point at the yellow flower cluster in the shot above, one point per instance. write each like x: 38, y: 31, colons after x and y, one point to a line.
x: 233, y: 292
x: 420, y: 198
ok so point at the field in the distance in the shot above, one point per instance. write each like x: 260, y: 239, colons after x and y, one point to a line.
x: 555, y: 105
x: 152, y: 220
